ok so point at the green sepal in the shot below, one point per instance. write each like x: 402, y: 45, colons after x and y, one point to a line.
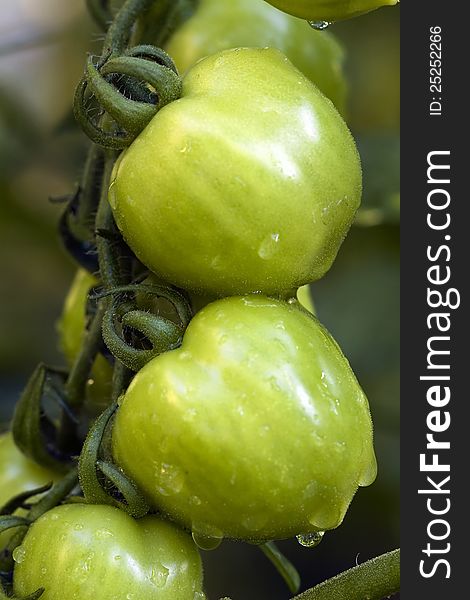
x: 11, y: 521
x: 34, y: 596
x: 94, y: 490
x: 30, y: 422
x: 18, y: 500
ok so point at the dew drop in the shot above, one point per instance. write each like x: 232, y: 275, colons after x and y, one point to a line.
x: 310, y: 540
x: 19, y: 554
x: 254, y: 522
x: 268, y: 246
x: 319, y: 25
x: 206, y: 537
x: 159, y: 576
x: 78, y: 527
x: 199, y: 596
x: 117, y: 557
x: 217, y: 263
x: 103, y: 533
x: 369, y: 472
x: 170, y: 479
x: 44, y: 570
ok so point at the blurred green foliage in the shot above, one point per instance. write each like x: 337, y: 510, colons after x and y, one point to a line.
x: 41, y: 153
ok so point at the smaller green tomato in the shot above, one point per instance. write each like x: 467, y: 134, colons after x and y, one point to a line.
x: 18, y: 474
x: 329, y: 10
x: 217, y: 26
x: 255, y: 429
x: 98, y: 552
x: 71, y: 327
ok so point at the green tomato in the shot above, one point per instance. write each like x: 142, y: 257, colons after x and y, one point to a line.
x: 83, y: 551
x: 18, y: 474
x: 255, y: 429
x: 71, y: 327
x: 248, y: 183
x: 329, y: 10
x: 219, y: 26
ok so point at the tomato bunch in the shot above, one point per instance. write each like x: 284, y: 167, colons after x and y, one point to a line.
x: 232, y: 200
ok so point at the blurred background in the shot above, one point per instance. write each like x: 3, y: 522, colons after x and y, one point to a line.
x: 43, y: 44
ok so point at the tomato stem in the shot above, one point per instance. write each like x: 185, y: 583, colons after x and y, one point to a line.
x: 284, y: 567
x: 75, y: 385
x: 101, y: 13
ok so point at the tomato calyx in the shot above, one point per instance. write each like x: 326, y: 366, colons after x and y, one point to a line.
x: 103, y: 482
x: 154, y: 330
x: 115, y: 83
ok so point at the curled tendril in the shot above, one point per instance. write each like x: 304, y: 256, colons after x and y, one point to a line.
x: 153, y: 330
x: 131, y: 88
x: 96, y: 490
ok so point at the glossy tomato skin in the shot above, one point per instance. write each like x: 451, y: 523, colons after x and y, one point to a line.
x: 71, y: 328
x: 329, y: 10
x: 217, y: 26
x: 249, y: 183
x: 90, y: 551
x: 18, y: 474
x: 256, y: 428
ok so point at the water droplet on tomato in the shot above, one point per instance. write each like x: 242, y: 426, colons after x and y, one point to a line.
x: 310, y: 540
x: 255, y: 522
x: 319, y: 25
x: 269, y: 246
x: 369, y: 472
x: 159, y: 576
x: 103, y: 533
x: 170, y: 479
x: 19, y: 554
x: 206, y: 537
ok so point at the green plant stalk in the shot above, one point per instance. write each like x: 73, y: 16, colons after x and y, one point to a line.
x: 121, y: 28
x: 284, y: 567
x: 87, y: 205
x: 76, y: 381
x: 375, y: 579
